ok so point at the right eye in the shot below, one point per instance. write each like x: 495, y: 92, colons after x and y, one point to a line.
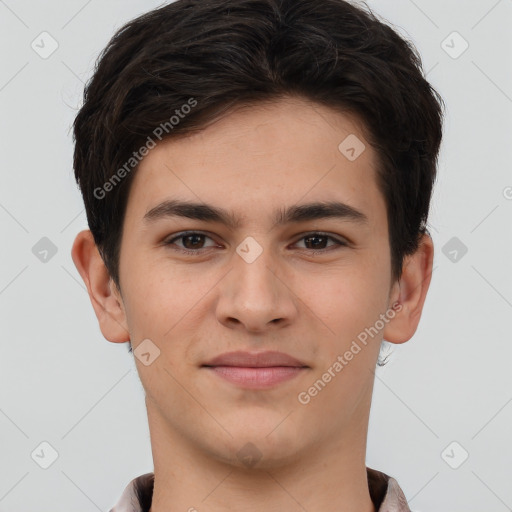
x: 190, y: 240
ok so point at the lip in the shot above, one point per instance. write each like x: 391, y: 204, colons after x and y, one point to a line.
x: 256, y: 370
x: 255, y: 359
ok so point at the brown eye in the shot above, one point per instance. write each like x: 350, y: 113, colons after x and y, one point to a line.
x: 191, y: 242
x: 317, y: 242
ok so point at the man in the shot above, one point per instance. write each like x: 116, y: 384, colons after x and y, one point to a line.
x: 257, y: 177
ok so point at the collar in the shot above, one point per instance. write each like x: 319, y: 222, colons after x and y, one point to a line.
x: 386, y: 494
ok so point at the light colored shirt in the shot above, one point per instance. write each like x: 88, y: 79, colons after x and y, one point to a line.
x: 386, y: 494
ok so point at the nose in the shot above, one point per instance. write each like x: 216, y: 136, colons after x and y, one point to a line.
x: 257, y: 296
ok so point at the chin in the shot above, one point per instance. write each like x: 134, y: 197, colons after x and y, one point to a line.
x: 261, y: 449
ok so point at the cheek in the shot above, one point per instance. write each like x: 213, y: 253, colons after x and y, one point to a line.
x: 163, y: 299
x: 149, y: 299
x: 344, y: 304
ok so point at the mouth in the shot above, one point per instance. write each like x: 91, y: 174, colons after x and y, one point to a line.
x: 251, y: 370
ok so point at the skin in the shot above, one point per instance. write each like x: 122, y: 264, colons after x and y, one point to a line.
x: 193, y: 308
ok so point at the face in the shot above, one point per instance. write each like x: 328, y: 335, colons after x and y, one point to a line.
x: 258, y: 272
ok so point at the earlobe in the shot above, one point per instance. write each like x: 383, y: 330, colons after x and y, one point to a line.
x: 411, y: 293
x: 105, y: 298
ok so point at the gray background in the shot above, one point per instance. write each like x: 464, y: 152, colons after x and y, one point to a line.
x: 63, y: 384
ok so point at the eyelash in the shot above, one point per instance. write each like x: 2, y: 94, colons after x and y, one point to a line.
x: 169, y: 242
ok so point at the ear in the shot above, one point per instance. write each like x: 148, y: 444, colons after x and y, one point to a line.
x: 105, y: 297
x: 409, y: 292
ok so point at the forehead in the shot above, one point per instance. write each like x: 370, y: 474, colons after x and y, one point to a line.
x: 256, y: 157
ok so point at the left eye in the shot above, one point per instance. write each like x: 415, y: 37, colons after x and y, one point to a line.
x: 314, y: 237
x: 192, y: 242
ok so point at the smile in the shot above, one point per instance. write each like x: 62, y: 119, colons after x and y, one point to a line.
x: 256, y: 378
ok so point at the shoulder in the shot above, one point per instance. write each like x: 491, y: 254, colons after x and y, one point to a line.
x: 137, y: 495
x: 386, y: 494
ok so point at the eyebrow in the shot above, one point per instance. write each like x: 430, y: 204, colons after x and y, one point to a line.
x: 293, y: 214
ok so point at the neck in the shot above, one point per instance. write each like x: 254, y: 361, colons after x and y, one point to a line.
x: 327, y: 478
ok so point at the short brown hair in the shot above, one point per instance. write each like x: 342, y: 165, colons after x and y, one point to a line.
x: 226, y: 53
